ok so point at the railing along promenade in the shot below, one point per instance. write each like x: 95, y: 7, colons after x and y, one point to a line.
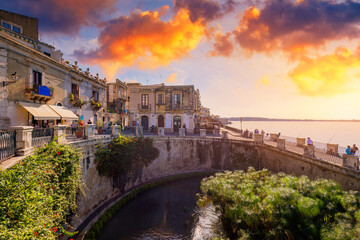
x: 26, y: 141
x: 325, y: 152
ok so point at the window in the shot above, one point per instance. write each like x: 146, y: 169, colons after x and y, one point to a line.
x: 95, y: 96
x: 176, y: 100
x: 144, y: 101
x: 37, y: 79
x: 161, y: 99
x: 6, y: 25
x: 75, y: 89
x: 47, y: 54
x: 16, y: 29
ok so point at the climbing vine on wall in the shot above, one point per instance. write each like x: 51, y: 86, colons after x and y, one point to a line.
x: 39, y: 193
x: 124, y: 158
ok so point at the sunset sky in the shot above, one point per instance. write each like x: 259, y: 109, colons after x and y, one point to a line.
x: 265, y: 58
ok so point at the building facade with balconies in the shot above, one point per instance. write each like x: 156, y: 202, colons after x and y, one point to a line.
x: 163, y: 106
x: 34, y: 82
x: 118, y: 102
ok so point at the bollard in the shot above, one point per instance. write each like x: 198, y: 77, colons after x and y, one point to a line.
x: 332, y: 149
x: 281, y: 143
x: 203, y: 133
x: 309, y: 151
x: 258, y: 138
x: 161, y: 132
x: 300, y: 142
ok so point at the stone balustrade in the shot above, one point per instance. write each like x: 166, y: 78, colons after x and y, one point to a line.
x: 274, y: 136
x: 23, y: 139
x: 351, y: 161
x: 60, y: 133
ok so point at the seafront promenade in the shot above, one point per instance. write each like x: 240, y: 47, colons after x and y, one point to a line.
x: 319, y: 154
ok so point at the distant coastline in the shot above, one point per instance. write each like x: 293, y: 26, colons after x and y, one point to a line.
x: 285, y: 120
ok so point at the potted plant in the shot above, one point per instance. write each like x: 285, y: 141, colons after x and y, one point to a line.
x: 71, y: 97
x: 80, y: 102
x: 154, y: 128
x: 51, y: 91
x: 80, y: 129
x: 100, y: 126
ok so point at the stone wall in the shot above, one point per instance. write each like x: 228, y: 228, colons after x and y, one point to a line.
x: 184, y: 155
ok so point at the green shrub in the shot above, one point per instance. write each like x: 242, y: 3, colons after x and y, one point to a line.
x: 124, y: 158
x: 38, y: 193
x: 261, y: 205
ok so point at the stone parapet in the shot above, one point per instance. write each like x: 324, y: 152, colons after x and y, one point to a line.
x: 182, y: 132
x: 274, y: 136
x: 23, y: 139
x: 161, y: 132
x: 225, y: 134
x: 115, y: 130
x: 258, y: 137
x: 60, y: 133
x: 300, y: 142
x: 90, y: 131
x: 281, y: 143
x: 332, y: 148
x: 203, y: 133
x: 351, y: 161
x: 309, y: 151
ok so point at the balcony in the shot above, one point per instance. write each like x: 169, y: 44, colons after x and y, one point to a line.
x: 144, y: 108
x: 40, y: 94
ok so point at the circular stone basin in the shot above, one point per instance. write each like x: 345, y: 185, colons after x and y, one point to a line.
x: 164, y: 212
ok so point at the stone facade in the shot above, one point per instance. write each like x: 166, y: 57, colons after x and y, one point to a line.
x: 163, y: 106
x: 118, y: 102
x: 21, y: 63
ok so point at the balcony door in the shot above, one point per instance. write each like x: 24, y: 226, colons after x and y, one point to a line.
x: 161, y: 121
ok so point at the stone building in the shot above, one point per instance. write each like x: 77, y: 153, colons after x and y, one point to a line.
x: 117, y: 102
x: 163, y: 106
x: 34, y: 78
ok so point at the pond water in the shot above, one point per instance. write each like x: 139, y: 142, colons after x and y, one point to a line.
x: 165, y: 212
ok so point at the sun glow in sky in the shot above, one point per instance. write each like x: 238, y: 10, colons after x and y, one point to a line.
x: 270, y: 58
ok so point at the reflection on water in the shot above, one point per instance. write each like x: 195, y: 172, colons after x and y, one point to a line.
x: 165, y: 212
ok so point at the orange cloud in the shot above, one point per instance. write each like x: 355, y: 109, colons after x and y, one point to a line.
x: 172, y: 78
x: 223, y: 45
x: 328, y: 75
x: 144, y: 40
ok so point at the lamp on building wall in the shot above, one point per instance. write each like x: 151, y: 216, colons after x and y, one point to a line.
x: 15, y: 77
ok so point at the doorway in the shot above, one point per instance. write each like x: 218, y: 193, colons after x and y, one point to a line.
x: 161, y: 121
x: 145, y: 123
x: 177, y: 123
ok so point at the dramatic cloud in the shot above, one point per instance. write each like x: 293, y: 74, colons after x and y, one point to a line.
x: 328, y: 75
x: 206, y: 10
x: 62, y: 16
x: 144, y: 40
x: 297, y: 26
x: 223, y: 45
